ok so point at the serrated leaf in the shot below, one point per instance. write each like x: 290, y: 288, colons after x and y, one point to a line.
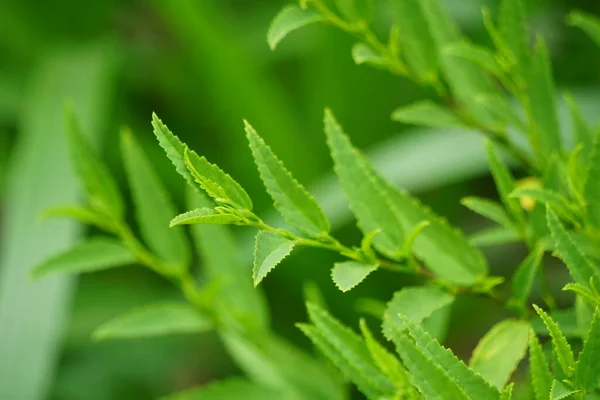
x: 205, y: 216
x: 298, y: 207
x: 95, y: 254
x: 416, y: 303
x: 370, y: 204
x: 584, y: 314
x: 487, y: 208
x: 416, y: 42
x: 288, y: 20
x: 364, y: 54
x: 507, y: 392
x: 426, y: 113
x: 346, y: 275
x: 82, y: 214
x: 589, y: 23
x: 580, y: 268
x: 230, y: 389
x: 102, y: 190
x: 585, y: 292
x: 560, y: 391
x: 524, y: 276
x: 540, y: 371
x: 587, y: 373
x: 559, y: 343
x: 547, y: 197
x: 479, y: 55
x: 153, y: 205
x: 270, y: 249
x: 500, y: 351
x: 591, y: 190
x: 545, y: 135
x: 495, y: 236
x: 155, y: 320
x: 435, y: 368
x: 217, y: 184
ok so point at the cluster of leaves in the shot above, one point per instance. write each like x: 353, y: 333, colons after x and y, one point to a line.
x: 507, y: 93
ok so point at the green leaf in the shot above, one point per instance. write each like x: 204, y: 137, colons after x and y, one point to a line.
x: 560, y: 391
x: 479, y: 55
x: 230, y: 389
x: 500, y: 351
x: 346, y: 275
x: 205, y: 216
x: 82, y: 214
x: 507, y: 392
x: 416, y: 303
x: 582, y: 132
x: 545, y: 134
x: 436, y: 371
x: 559, y: 343
x: 547, y: 197
x: 217, y: 184
x: 426, y: 113
x: 524, y: 276
x: 153, y: 205
x: 296, y: 205
x: 587, y: 373
x: 540, y: 371
x: 580, y: 268
x: 494, y: 236
x: 503, y: 112
x: 585, y: 292
x: 487, y: 208
x: 364, y: 54
x: 366, y: 196
x: 348, y: 352
x: 589, y: 23
x: 102, y: 190
x: 269, y: 250
x: 155, y: 320
x: 505, y: 183
x: 288, y: 20
x: 96, y: 254
x: 512, y: 28
x: 416, y: 42
x: 591, y: 188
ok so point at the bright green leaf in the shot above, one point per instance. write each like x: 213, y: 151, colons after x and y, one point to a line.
x: 502, y: 111
x: 298, y: 207
x: 82, y: 214
x: 540, y: 371
x: 364, y: 54
x: 346, y: 275
x: 479, y: 55
x: 507, y: 392
x: 270, y: 249
x: 500, y: 351
x: 153, y: 205
x: 587, y: 372
x: 559, y: 343
x: 524, y: 276
x: 487, y: 208
x: 592, y: 185
x: 96, y: 254
x: 288, y: 20
x: 512, y: 27
x: 582, y: 132
x: 585, y: 292
x: 547, y: 197
x: 495, y: 236
x: 205, y: 216
x: 426, y: 113
x: 589, y: 23
x: 561, y: 391
x: 230, y: 389
x: 155, y: 320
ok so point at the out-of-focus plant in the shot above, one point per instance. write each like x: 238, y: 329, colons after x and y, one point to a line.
x: 507, y: 94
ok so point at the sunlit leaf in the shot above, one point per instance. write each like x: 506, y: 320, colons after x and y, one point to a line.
x: 540, y: 371
x: 288, y: 20
x: 559, y: 343
x: 205, y: 216
x: 346, y: 275
x: 270, y: 249
x: 587, y: 372
x: 426, y: 113
x: 488, y: 209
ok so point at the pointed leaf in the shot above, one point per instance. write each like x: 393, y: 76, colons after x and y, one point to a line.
x: 367, y: 199
x: 96, y: 254
x: 560, y: 391
x: 230, y: 389
x: 102, y: 190
x: 487, y: 208
x: 270, y: 248
x: 205, y: 216
x: 495, y: 236
x: 217, y: 184
x: 524, y: 276
x: 155, y: 320
x: 153, y: 205
x: 592, y: 185
x: 547, y: 197
x: 364, y: 54
x: 540, y: 371
x: 587, y: 372
x: 298, y: 207
x: 82, y: 214
x: 589, y: 23
x: 479, y: 55
x: 581, y: 130
x: 500, y: 351
x: 513, y: 29
x: 426, y: 113
x: 346, y: 275
x: 559, y: 343
x: 288, y: 20
x: 416, y: 303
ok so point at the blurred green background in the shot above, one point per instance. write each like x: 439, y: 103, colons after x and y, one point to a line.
x: 203, y: 66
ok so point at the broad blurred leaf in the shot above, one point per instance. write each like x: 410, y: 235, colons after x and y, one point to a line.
x: 539, y: 369
x: 589, y: 23
x: 231, y: 389
x: 95, y: 254
x: 587, y: 372
x: 84, y: 215
x: 426, y: 113
x: 296, y: 205
x: 155, y: 320
x: 364, y: 54
x: 500, y: 351
x: 479, y: 55
x: 153, y: 206
x: 270, y: 249
x: 488, y: 209
x: 592, y: 184
x: 559, y: 343
x: 205, y: 216
x: 288, y: 20
x: 346, y: 275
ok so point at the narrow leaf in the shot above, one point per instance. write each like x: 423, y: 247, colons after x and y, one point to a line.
x: 559, y: 343
x: 155, y: 320
x: 500, y: 351
x: 591, y: 190
x: 547, y: 197
x: 560, y: 391
x: 82, y: 214
x: 479, y: 55
x: 205, y: 216
x: 96, y: 254
x: 524, y: 276
x: 346, y: 275
x: 426, y: 113
x: 230, y: 389
x: 581, y: 130
x: 540, y: 371
x: 587, y: 372
x: 364, y: 54
x: 288, y: 20
x: 512, y: 28
x: 296, y: 205
x: 495, y: 236
x: 589, y: 23
x: 153, y: 205
x: 488, y: 209
x: 367, y: 199
x: 507, y: 392
x: 270, y: 248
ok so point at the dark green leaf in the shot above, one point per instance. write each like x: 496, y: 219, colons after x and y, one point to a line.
x: 589, y: 23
